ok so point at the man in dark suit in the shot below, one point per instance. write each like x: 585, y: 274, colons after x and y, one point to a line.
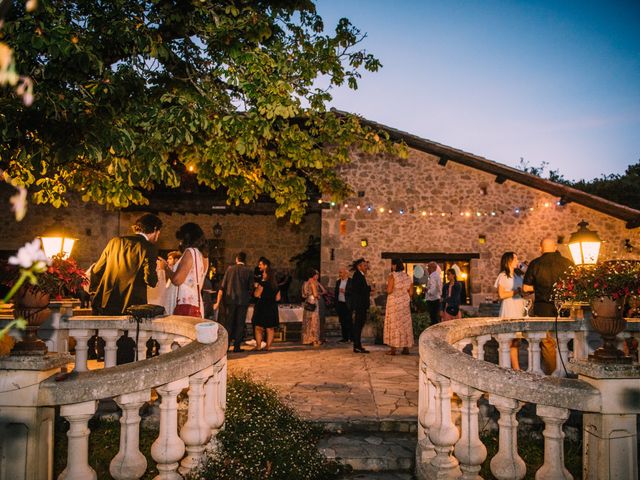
x: 236, y: 289
x: 360, y: 298
x: 126, y: 267
x: 342, y: 296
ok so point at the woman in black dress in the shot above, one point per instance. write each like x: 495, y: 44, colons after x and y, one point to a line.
x: 265, y: 312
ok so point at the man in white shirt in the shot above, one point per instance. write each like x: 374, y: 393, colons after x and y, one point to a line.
x: 433, y: 295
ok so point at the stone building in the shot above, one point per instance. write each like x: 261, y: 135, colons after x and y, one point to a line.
x: 439, y: 204
x: 459, y: 209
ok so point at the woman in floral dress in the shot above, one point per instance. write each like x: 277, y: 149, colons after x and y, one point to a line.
x: 311, y: 319
x: 398, y: 328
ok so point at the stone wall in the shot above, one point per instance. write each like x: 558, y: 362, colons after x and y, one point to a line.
x: 446, y: 210
x: 93, y: 225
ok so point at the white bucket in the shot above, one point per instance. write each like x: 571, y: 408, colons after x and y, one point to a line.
x: 207, y: 332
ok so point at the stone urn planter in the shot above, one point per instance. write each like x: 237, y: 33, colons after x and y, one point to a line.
x: 608, y: 321
x: 31, y: 303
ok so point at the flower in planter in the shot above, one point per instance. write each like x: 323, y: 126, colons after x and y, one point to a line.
x: 63, y: 278
x: 584, y: 283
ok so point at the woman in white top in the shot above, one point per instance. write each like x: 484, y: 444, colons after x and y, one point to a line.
x: 509, y: 287
x: 190, y: 271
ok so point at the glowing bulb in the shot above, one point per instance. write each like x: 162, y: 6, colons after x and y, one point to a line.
x: 381, y: 209
x: 424, y: 213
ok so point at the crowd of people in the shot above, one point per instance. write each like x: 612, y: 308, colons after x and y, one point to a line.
x: 130, y: 272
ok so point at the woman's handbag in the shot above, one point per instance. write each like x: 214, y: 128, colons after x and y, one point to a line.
x: 310, y: 307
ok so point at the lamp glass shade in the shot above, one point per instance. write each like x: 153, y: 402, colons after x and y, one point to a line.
x: 584, y: 245
x: 57, y: 246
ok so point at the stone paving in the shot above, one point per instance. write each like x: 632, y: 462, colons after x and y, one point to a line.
x: 331, y: 384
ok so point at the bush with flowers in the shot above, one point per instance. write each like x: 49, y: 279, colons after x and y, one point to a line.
x: 584, y: 283
x: 264, y: 438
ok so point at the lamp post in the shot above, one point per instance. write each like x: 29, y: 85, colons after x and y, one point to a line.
x: 57, y: 245
x: 584, y: 245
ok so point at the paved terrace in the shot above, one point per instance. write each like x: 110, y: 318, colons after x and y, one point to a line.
x: 334, y: 385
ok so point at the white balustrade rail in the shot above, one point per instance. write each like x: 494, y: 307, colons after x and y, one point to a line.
x: 29, y: 393
x: 450, y: 447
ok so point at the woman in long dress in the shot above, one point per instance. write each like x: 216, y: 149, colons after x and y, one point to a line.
x: 398, y: 327
x: 311, y: 319
x: 265, y: 312
x: 189, y: 271
x: 509, y: 287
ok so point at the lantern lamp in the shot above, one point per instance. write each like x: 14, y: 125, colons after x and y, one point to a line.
x: 57, y: 245
x: 584, y: 245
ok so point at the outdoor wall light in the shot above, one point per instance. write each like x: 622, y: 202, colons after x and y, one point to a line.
x: 482, y: 239
x: 584, y: 245
x: 364, y: 242
x: 57, y: 245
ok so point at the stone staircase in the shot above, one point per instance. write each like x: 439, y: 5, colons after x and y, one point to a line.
x: 381, y: 450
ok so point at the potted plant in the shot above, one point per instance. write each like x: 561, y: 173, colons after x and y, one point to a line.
x: 607, y: 287
x: 61, y: 278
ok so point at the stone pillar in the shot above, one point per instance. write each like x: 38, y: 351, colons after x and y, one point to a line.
x: 26, y: 429
x: 444, y: 433
x: 562, y: 354
x: 195, y: 432
x: 82, y: 336
x: 168, y: 448
x: 534, y: 339
x: 426, y: 417
x: 479, y: 352
x: 213, y: 406
x: 143, y: 336
x: 469, y: 450
x: 165, y: 340
x: 553, y: 467
x: 78, y: 416
x: 507, y: 464
x: 129, y: 462
x: 110, y: 337
x: 610, y: 436
x: 53, y: 331
x: 504, y: 349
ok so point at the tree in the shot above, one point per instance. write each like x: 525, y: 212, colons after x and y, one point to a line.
x: 130, y: 93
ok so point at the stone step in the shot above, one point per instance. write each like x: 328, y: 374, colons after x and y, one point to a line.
x: 372, y: 452
x: 365, y: 426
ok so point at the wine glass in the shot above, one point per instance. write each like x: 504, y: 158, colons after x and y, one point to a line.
x: 527, y: 306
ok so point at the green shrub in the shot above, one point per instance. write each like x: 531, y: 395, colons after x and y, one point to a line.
x: 264, y: 439
x: 420, y: 321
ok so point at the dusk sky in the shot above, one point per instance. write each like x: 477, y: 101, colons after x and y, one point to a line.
x: 550, y: 81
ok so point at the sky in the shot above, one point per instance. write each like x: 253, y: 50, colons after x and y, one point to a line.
x: 546, y: 81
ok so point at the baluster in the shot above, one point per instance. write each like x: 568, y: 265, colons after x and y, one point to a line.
x: 553, y: 467
x: 481, y: 340
x: 169, y: 448
x: 534, y: 339
x: 78, y: 416
x: 507, y: 464
x: 469, y: 450
x: 82, y: 336
x: 110, y: 337
x: 129, y: 462
x: 142, y: 344
x: 504, y: 350
x: 195, y: 432
x: 562, y: 354
x: 580, y: 345
x: 426, y: 417
x: 213, y: 410
x: 165, y: 340
x: 444, y: 433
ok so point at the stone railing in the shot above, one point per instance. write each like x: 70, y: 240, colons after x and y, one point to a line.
x: 32, y: 387
x: 451, y: 382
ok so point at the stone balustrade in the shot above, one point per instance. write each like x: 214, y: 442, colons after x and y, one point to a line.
x: 32, y: 387
x: 451, y: 383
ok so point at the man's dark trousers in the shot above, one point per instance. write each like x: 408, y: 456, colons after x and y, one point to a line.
x: 236, y: 318
x: 344, y: 314
x: 433, y: 308
x: 359, y: 319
